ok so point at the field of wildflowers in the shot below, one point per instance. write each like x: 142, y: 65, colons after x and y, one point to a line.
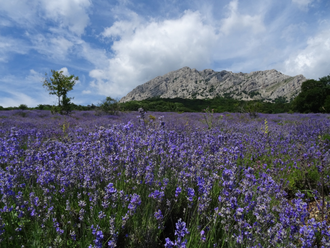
x: 164, y: 180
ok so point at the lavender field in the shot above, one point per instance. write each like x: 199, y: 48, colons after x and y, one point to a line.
x: 164, y: 180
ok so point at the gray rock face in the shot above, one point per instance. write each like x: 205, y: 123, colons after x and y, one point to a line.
x: 192, y: 84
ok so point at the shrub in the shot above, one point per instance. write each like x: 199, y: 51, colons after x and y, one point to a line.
x: 23, y: 107
x: 109, y: 106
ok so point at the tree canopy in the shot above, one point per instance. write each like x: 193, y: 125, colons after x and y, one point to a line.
x: 60, y: 85
x: 314, y: 96
x: 109, y: 106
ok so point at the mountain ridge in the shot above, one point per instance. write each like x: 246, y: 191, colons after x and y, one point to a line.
x: 190, y: 83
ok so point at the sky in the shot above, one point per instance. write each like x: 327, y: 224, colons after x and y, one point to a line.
x: 114, y: 46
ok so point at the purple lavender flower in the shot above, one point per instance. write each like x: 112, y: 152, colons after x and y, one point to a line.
x: 158, y: 215
x: 98, y: 236
x: 191, y: 194
x: 239, y: 212
x: 157, y: 195
x: 33, y: 212
x: 201, y: 185
x: 168, y: 243
x: 177, y: 191
x: 59, y: 230
x: 110, y: 189
x: 101, y: 215
x: 181, y: 231
x: 135, y: 201
x: 203, y: 238
x: 73, y: 235
x: 112, y: 243
x: 82, y: 204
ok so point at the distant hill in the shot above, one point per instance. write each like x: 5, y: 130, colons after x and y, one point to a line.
x: 187, y: 83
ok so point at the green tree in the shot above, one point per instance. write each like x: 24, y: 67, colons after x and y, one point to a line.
x: 280, y: 100
x: 325, y: 81
x: 109, y: 106
x: 251, y: 107
x: 327, y: 104
x: 60, y: 85
x: 23, y: 107
x: 312, y: 96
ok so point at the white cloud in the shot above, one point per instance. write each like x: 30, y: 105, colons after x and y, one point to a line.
x: 54, y: 47
x: 32, y: 80
x: 20, y: 11
x: 86, y: 92
x: 123, y: 28
x: 237, y: 22
x: 69, y: 19
x: 17, y: 98
x: 292, y: 33
x: 153, y: 48
x: 65, y: 71
x: 68, y: 13
x: 71, y: 14
x: 243, y: 36
x: 303, y: 4
x: 313, y: 60
x: 34, y: 77
x: 9, y: 45
x: 30, y: 92
x: 97, y: 57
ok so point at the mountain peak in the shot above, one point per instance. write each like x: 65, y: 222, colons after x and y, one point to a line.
x: 190, y: 84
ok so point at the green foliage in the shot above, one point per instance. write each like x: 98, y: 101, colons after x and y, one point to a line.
x: 311, y: 97
x: 252, y: 108
x: 23, y: 107
x: 314, y: 96
x: 130, y: 106
x: 254, y: 93
x: 151, y: 117
x: 44, y: 107
x: 40, y: 107
x: 218, y: 104
x: 109, y: 106
x: 280, y: 100
x: 326, y: 104
x: 60, y: 85
x: 325, y: 81
x: 301, y: 180
x: 21, y: 113
x: 208, y: 117
x: 326, y: 139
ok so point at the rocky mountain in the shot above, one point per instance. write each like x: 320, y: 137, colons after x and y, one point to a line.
x: 192, y: 84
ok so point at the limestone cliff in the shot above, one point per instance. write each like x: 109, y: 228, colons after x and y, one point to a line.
x: 192, y: 84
